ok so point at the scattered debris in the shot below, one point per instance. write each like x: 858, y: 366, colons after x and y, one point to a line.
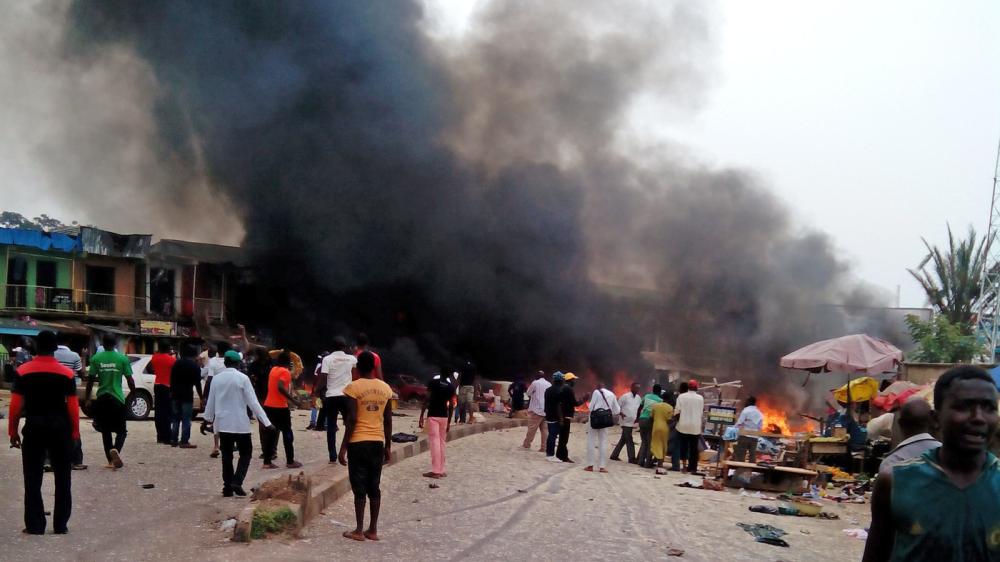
x: 148, y: 486
x: 675, y: 552
x: 804, y: 531
x: 416, y: 501
x: 522, y: 491
x: 338, y: 523
x: 228, y: 525
x: 433, y: 486
x: 766, y: 534
x: 403, y: 437
x: 860, y: 534
x: 714, y: 485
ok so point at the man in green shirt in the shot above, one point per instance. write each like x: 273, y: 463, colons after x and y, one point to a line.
x: 646, y: 425
x: 108, y: 367
x: 945, y: 504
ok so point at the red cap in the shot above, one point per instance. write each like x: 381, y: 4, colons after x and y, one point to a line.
x: 692, y: 384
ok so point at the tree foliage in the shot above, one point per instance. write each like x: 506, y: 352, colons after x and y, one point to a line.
x: 940, y: 340
x: 10, y: 219
x: 952, y: 277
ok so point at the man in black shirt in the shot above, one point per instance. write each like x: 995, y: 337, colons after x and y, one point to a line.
x: 567, y: 407
x: 45, y: 396
x: 185, y: 379
x: 517, y: 390
x: 553, y: 415
x: 440, y: 391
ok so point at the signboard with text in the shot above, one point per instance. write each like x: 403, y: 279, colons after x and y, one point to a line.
x: 157, y: 328
x: 721, y: 414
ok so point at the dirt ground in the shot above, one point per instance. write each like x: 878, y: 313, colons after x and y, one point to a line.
x: 498, y: 500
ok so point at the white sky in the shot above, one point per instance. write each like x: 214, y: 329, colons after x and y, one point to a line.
x: 876, y: 122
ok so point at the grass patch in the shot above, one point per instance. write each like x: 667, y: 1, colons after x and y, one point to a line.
x: 266, y: 522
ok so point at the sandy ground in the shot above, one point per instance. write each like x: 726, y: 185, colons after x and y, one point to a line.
x: 502, y: 501
x: 114, y: 518
x: 498, y: 500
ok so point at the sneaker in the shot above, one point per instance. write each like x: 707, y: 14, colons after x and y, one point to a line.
x: 173, y: 444
x: 116, y: 459
x: 552, y: 459
x: 227, y: 493
x: 79, y: 467
x: 239, y: 491
x: 294, y: 464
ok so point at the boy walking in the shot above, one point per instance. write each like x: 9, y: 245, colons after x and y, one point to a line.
x: 365, y: 447
x: 279, y: 394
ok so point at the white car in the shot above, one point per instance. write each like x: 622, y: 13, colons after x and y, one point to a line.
x: 139, y: 402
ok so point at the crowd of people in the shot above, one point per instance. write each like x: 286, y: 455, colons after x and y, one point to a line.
x: 924, y: 472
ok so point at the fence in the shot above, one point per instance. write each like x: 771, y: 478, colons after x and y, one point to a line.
x: 80, y: 301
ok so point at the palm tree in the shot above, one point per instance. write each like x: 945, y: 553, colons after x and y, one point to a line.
x: 952, y: 282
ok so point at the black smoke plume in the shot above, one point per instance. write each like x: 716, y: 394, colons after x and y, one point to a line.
x: 475, y: 194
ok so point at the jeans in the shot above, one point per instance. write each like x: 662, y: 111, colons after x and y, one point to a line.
x: 78, y: 452
x: 162, y: 412
x: 46, y: 436
x: 646, y: 437
x: 550, y: 441
x: 332, y: 407
x: 181, y: 422
x: 562, y: 452
x: 281, y: 419
x: 597, y: 442
x: 626, y: 442
x: 241, y: 441
x: 437, y: 435
x: 537, y: 422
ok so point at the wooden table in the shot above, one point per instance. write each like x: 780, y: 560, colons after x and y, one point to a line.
x: 776, y: 478
x: 819, y: 449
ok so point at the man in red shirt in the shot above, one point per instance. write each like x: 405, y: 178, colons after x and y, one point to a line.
x: 44, y: 394
x: 279, y: 394
x: 160, y: 364
x: 363, y: 347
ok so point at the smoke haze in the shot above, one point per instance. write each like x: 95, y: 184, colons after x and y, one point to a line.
x: 466, y: 196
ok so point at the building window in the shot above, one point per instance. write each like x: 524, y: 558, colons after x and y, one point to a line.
x: 101, y: 288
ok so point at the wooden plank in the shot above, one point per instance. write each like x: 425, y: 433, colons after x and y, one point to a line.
x: 794, y: 470
x: 738, y: 464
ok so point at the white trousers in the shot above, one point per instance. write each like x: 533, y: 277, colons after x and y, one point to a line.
x: 597, y: 444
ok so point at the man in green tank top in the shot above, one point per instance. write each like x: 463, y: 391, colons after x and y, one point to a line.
x: 945, y: 504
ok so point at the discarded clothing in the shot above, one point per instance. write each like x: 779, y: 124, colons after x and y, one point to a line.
x: 766, y: 534
x: 403, y: 437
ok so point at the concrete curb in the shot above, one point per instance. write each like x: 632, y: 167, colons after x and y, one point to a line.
x: 328, y: 482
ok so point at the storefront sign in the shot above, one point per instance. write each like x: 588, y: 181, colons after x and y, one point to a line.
x: 157, y: 328
x: 721, y: 414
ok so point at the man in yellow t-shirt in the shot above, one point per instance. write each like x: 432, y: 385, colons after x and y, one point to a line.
x: 365, y: 447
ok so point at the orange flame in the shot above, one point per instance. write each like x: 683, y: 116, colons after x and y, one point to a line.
x: 776, y: 417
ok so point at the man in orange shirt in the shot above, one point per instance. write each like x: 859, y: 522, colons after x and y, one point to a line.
x: 365, y: 447
x: 160, y: 364
x: 45, y: 396
x: 279, y: 394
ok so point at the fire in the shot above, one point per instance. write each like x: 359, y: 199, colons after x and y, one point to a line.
x: 620, y: 384
x: 775, y: 417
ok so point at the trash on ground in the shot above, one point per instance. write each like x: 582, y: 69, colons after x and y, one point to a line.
x: 433, y: 486
x: 228, y: 525
x: 860, y: 534
x: 766, y: 534
x: 675, y: 552
x: 148, y: 486
x: 403, y: 437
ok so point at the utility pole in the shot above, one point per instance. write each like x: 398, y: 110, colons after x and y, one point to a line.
x: 987, y: 326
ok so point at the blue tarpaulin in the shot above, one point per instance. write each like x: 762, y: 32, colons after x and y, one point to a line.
x: 995, y: 373
x: 39, y: 239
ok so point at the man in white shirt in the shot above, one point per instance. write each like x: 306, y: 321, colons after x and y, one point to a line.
x: 536, y: 411
x: 226, y: 409
x: 597, y: 439
x: 71, y: 360
x: 338, y: 370
x: 628, y: 404
x: 751, y: 419
x: 212, y: 367
x: 689, y: 412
